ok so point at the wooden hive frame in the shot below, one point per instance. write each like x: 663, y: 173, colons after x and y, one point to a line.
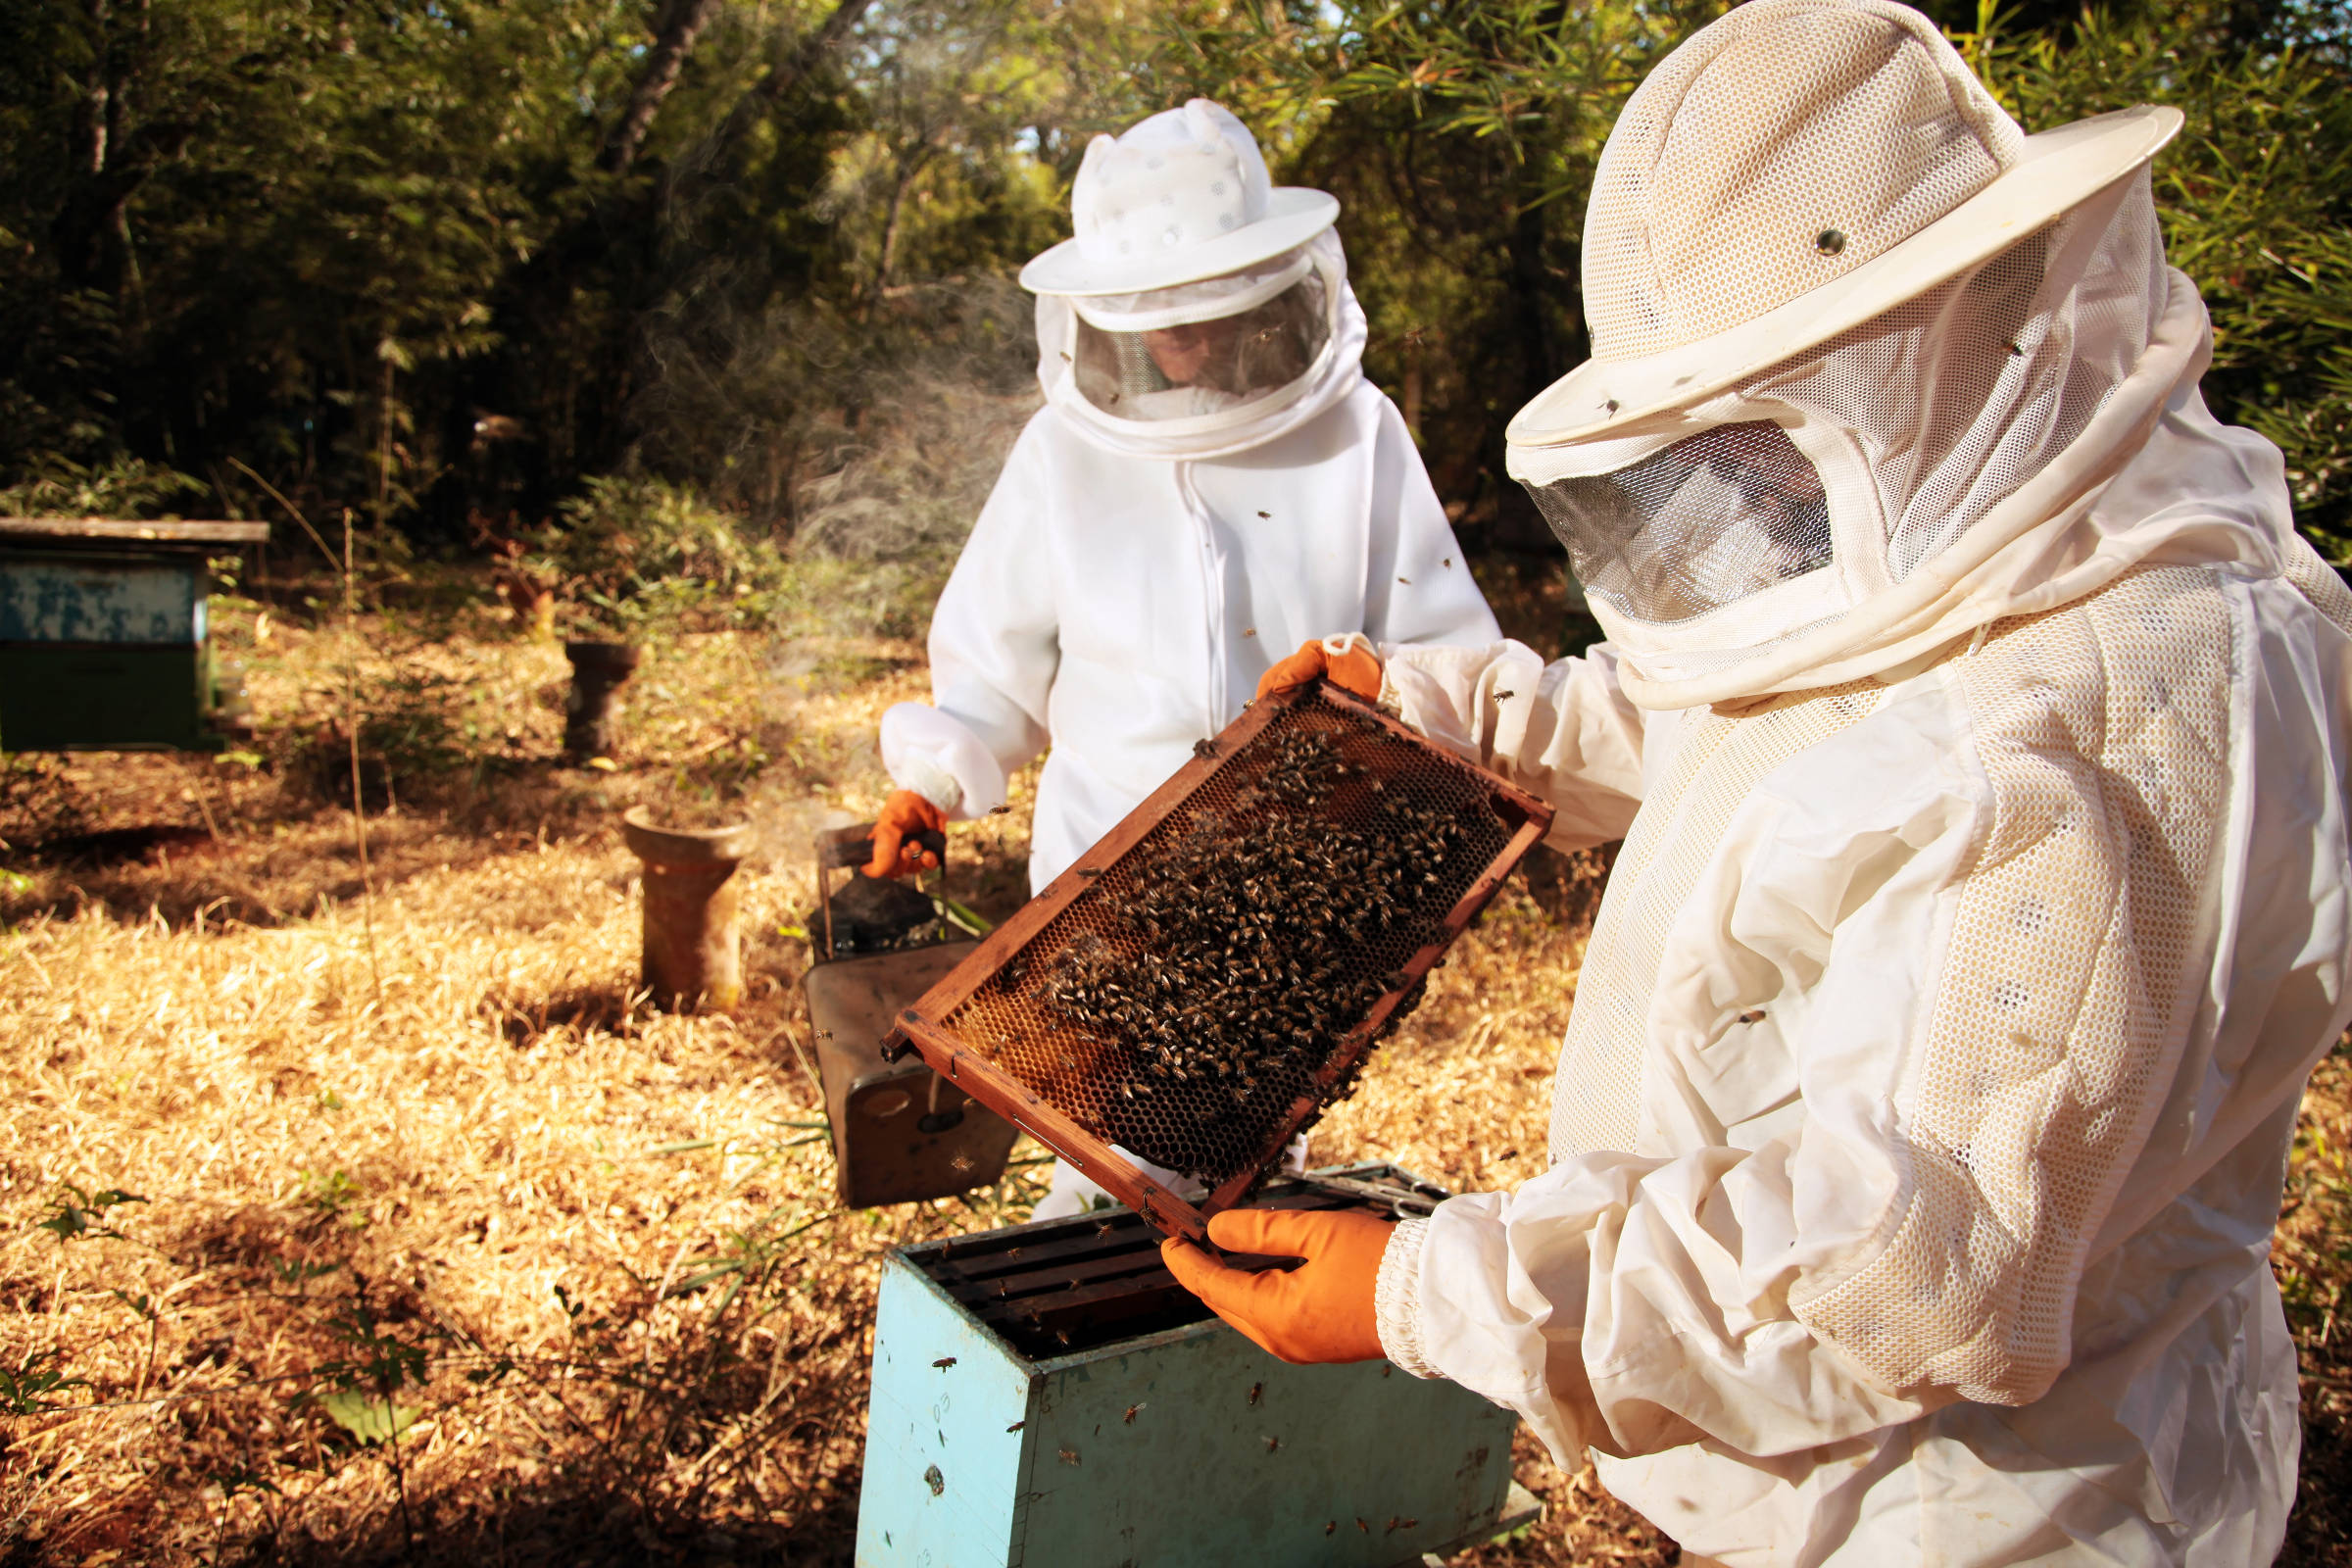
x: 926, y: 1026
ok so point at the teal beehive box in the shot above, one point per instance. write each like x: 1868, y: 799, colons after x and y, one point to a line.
x: 1047, y: 1396
x: 103, y: 641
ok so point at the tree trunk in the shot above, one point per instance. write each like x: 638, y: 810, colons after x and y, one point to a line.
x: 1530, y: 285
x: 902, y: 177
x: 673, y: 40
x: 91, y: 231
x: 94, y: 116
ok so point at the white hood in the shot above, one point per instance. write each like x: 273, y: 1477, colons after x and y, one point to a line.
x: 1965, y: 480
x: 1215, y: 431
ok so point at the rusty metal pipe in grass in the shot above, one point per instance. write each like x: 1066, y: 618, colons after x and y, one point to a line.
x: 597, y: 671
x: 692, y: 943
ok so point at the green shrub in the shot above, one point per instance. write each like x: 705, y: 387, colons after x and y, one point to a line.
x: 122, y: 487
x: 629, y: 554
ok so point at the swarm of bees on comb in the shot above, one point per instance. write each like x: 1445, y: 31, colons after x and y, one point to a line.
x: 1239, y: 957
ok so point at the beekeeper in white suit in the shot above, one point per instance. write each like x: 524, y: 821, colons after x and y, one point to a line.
x: 1210, y: 480
x: 1977, y: 725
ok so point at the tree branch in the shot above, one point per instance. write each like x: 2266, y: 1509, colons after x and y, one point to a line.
x: 673, y: 40
x: 786, y: 75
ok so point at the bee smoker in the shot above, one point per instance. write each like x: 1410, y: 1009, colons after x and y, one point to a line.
x: 901, y: 1132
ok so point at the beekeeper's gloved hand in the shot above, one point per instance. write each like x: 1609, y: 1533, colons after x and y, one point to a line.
x: 903, y: 815
x: 1320, y: 1311
x: 1346, y: 661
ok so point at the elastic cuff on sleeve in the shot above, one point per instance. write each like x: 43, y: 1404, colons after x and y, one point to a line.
x: 931, y: 782
x: 938, y: 755
x: 1397, y: 1298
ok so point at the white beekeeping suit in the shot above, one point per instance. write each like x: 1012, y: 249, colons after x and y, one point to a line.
x: 1154, y: 534
x: 1211, y: 479
x: 1977, y: 725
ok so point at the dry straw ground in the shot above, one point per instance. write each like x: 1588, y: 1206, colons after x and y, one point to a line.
x: 442, y: 1248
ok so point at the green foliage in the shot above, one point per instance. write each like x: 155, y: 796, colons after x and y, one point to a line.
x: 442, y: 263
x: 380, y: 1360
x: 74, y: 1213
x: 327, y: 1194
x: 639, y: 549
x: 446, y: 265
x: 120, y: 487
x: 26, y: 1388
x: 1462, y: 139
x: 252, y: 215
x: 409, y: 744
x: 369, y: 1417
x: 2257, y: 201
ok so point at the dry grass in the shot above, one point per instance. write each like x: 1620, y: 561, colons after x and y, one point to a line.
x: 2312, y: 1258
x: 587, y: 1248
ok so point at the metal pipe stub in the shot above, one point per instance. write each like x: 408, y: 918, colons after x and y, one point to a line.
x: 693, y: 945
x: 598, y: 670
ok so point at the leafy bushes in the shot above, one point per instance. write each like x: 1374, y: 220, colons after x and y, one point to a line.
x: 120, y: 487
x: 627, y: 551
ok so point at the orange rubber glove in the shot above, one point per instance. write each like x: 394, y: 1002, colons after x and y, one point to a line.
x: 903, y: 815
x: 1356, y: 670
x: 1320, y: 1311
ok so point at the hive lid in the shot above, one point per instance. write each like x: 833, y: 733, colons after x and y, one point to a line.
x: 102, y: 532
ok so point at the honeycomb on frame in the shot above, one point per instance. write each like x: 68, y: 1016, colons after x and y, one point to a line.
x: 1208, y: 978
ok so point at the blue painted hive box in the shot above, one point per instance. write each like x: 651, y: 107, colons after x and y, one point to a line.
x: 103, y: 642
x: 1048, y: 1395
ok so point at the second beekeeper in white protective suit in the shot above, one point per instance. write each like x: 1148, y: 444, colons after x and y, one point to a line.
x: 1211, y: 479
x: 1975, y: 723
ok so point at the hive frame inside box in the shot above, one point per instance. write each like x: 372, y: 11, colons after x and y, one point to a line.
x: 1154, y: 1434
x: 924, y: 1026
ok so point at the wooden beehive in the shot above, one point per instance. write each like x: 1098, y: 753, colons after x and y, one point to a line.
x: 103, y: 641
x: 1095, y: 1413
x: 991, y: 1027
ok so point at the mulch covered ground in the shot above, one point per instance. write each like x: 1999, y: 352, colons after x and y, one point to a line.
x: 363, y: 1213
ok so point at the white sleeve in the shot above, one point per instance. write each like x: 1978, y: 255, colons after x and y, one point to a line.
x: 995, y: 650
x: 933, y: 753
x: 1629, y: 1302
x: 1564, y: 731
x: 1968, y: 953
x: 1419, y: 587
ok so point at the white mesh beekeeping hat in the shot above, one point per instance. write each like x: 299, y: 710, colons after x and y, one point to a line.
x: 1845, y: 312
x: 1175, y: 199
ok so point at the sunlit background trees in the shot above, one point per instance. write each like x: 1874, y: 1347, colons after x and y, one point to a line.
x: 443, y: 263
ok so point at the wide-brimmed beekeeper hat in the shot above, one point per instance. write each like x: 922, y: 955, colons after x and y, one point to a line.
x: 1180, y: 197
x: 1789, y: 172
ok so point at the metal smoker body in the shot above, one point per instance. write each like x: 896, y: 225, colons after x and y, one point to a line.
x: 901, y: 1132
